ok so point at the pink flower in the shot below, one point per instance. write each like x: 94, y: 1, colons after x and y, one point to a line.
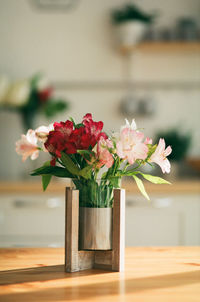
x: 130, y: 145
x: 160, y: 156
x: 148, y: 141
x: 103, y: 154
x: 27, y: 145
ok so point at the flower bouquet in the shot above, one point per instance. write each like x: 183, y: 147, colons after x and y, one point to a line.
x: 81, y: 151
x: 28, y: 97
x: 96, y: 163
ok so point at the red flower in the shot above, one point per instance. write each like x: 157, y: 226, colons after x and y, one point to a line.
x: 81, y: 139
x: 65, y: 128
x: 58, y: 140
x: 45, y: 94
x: 53, y: 162
x: 93, y: 128
x: 66, y: 138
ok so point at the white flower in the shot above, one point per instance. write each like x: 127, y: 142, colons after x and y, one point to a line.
x: 131, y: 126
x: 18, y: 93
x: 43, y: 131
x: 42, y: 84
x: 4, y: 85
x: 27, y: 145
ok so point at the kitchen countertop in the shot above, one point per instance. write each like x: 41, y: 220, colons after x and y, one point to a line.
x: 57, y: 187
x: 151, y: 274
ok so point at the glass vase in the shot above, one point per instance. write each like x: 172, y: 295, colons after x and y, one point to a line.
x: 95, y: 214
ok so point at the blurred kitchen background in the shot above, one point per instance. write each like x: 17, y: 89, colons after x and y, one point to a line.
x: 88, y: 57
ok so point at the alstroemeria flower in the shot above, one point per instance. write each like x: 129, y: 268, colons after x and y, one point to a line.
x: 43, y: 131
x: 130, y: 145
x: 131, y: 126
x: 93, y: 129
x: 27, y: 145
x: 160, y: 156
x: 103, y: 154
x: 58, y: 140
x: 148, y: 141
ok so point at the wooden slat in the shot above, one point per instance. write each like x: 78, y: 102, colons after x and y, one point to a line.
x: 118, y: 239
x: 86, y: 260
x: 71, y: 231
x: 103, y: 260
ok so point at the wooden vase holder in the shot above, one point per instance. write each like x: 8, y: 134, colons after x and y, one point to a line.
x: 75, y: 259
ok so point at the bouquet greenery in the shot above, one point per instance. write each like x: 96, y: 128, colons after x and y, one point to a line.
x: 80, y: 151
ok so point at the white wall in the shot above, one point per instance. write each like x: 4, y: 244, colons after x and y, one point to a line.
x: 78, y: 46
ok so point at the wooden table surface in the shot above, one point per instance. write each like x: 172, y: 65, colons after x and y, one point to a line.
x: 151, y: 274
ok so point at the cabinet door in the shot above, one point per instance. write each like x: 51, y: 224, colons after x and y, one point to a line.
x: 167, y: 220
x: 148, y: 226
x: 29, y: 220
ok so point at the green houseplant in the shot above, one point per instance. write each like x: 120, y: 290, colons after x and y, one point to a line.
x: 130, y: 22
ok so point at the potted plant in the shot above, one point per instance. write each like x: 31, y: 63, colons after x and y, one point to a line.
x: 80, y: 151
x: 130, y: 22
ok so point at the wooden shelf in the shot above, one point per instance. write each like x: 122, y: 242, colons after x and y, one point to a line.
x: 179, y: 47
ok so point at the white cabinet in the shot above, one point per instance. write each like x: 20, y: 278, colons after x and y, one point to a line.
x: 32, y: 220
x: 167, y: 220
x: 39, y: 220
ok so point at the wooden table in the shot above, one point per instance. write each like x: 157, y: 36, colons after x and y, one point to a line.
x: 151, y: 274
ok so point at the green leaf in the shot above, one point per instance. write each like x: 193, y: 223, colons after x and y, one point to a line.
x: 45, y: 181
x: 129, y: 173
x: 79, y: 125
x: 69, y: 164
x: 56, y: 171
x: 35, y: 79
x: 53, y: 106
x: 155, y: 179
x: 72, y: 120
x: 86, y: 172
x: 86, y: 153
x: 47, y: 177
x: 141, y: 187
x: 151, y: 149
x: 115, y: 181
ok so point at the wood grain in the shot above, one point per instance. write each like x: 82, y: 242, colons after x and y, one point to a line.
x: 118, y: 238
x: 151, y: 275
x: 71, y: 230
x: 163, y: 47
x: 86, y: 260
x: 103, y: 260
